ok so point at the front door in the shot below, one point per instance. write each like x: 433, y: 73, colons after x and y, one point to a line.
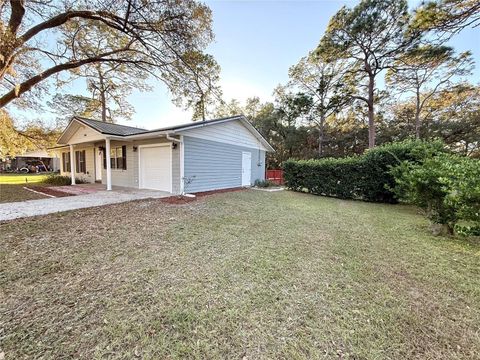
x: 98, y: 165
x: 246, y: 168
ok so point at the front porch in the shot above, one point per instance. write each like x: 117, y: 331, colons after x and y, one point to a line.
x: 92, y: 162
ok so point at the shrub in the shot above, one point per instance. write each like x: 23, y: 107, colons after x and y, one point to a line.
x: 365, y: 177
x: 61, y: 180
x: 264, y: 183
x: 447, y: 187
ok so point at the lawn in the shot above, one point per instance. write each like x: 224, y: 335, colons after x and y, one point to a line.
x: 11, y: 187
x: 241, y: 275
x: 21, y: 179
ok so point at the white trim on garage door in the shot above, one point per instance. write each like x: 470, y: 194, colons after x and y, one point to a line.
x: 148, y: 181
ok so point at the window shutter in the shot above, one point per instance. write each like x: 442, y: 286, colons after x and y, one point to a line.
x: 104, y: 152
x: 67, y: 160
x: 124, y: 157
x: 77, y: 161
x: 84, y: 164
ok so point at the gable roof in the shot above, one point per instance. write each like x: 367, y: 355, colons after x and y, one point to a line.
x: 135, y: 132
x: 198, y: 124
x: 109, y: 128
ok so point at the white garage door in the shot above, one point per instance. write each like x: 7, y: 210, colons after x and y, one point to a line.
x: 155, y: 170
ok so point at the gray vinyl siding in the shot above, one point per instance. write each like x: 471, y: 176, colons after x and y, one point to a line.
x: 130, y: 176
x: 214, y: 165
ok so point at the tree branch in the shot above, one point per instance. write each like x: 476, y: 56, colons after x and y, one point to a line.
x: 28, y: 84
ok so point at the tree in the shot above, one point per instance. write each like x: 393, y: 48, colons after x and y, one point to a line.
x: 154, y: 37
x: 32, y: 136
x: 68, y: 105
x: 426, y: 70
x: 230, y: 108
x: 446, y: 17
x: 371, y: 36
x: 196, y: 86
x: 324, y: 82
x: 454, y: 116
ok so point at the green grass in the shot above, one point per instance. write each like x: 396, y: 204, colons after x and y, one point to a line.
x: 23, y: 179
x: 249, y: 274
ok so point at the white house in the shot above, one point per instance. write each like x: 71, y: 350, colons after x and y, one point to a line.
x: 199, y: 156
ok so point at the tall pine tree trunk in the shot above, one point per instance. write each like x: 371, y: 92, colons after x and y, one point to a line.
x: 103, y: 99
x: 321, y: 131
x: 371, y: 113
x: 417, y: 115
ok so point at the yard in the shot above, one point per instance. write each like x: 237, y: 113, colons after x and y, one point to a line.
x: 11, y: 187
x: 237, y: 275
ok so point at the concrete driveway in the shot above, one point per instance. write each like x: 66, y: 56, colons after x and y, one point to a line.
x: 16, y: 210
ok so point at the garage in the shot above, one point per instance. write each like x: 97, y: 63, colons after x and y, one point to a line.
x: 155, y: 167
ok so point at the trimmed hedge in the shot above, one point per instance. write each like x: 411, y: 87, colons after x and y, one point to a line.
x: 366, y: 177
x: 61, y: 180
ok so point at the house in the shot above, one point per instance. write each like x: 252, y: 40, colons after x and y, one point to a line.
x: 199, y: 156
x: 40, y: 158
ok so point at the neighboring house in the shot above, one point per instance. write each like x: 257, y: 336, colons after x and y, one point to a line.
x: 35, y: 157
x: 199, y: 156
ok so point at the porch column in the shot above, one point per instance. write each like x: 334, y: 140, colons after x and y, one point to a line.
x: 72, y: 164
x: 109, y: 164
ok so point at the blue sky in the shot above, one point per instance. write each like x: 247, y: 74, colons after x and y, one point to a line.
x: 255, y: 44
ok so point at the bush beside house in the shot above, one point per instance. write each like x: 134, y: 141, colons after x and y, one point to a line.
x: 366, y: 177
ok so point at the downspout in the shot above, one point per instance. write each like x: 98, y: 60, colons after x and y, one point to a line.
x: 182, y: 177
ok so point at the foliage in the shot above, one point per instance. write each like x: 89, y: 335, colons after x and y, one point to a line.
x: 446, y: 186
x: 466, y: 230
x: 196, y: 86
x: 366, y: 177
x: 68, y: 105
x: 15, y: 140
x: 425, y: 71
x: 324, y: 82
x: 446, y: 17
x: 151, y: 37
x: 370, y: 36
x: 61, y: 180
x: 264, y: 183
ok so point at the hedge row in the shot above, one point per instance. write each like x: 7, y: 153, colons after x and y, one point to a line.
x: 366, y: 177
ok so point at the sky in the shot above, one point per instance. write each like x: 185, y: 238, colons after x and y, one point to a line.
x: 255, y: 44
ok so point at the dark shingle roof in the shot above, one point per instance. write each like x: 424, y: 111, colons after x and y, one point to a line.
x: 109, y: 128
x: 194, y: 124
x: 122, y: 130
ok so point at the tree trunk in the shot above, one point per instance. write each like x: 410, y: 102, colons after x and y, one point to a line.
x: 371, y: 113
x: 321, y: 130
x: 103, y: 99
x: 417, y: 115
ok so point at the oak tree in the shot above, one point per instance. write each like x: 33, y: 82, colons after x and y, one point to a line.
x: 154, y: 37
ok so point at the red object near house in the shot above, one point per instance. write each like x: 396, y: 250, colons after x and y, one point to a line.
x: 275, y: 176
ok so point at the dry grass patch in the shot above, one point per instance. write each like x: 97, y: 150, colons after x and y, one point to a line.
x: 238, y: 275
x: 14, y: 193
